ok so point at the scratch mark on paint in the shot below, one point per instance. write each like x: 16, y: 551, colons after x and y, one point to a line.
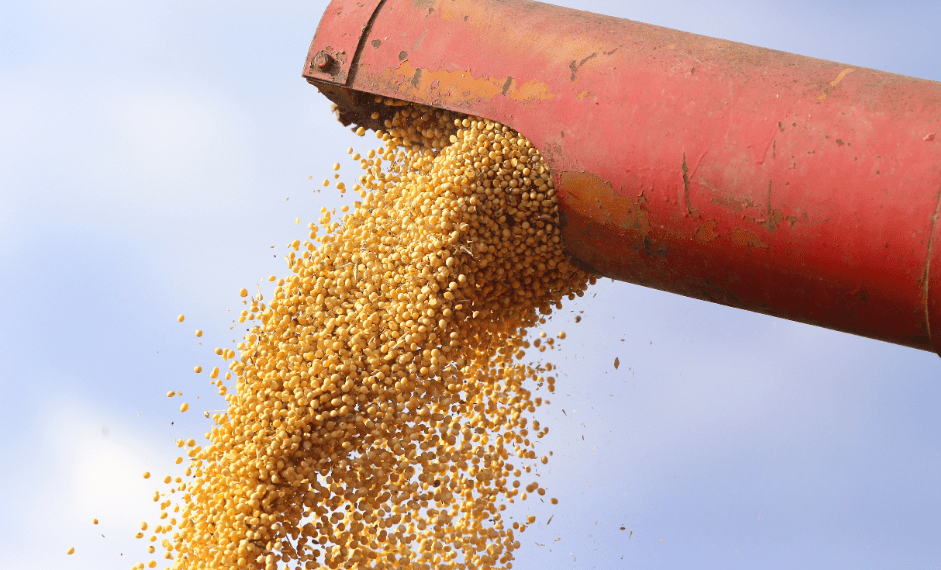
x: 772, y: 223
x: 689, y: 210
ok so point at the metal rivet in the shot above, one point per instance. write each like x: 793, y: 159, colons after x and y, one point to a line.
x: 322, y: 61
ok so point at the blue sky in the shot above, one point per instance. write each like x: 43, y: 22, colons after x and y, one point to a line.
x: 147, y: 151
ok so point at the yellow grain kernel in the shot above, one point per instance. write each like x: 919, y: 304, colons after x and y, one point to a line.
x: 376, y: 391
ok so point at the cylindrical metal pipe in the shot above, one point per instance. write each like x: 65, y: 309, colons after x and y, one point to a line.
x: 787, y: 185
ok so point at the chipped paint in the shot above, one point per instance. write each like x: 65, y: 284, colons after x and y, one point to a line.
x: 735, y: 204
x: 707, y: 231
x: 746, y: 239
x: 840, y: 77
x: 591, y: 196
x: 463, y: 84
x: 834, y: 83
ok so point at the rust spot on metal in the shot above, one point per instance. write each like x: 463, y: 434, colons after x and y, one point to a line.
x: 463, y: 84
x: 376, y: 43
x: 591, y: 196
x: 707, y: 231
x: 403, y: 55
x: 746, y: 239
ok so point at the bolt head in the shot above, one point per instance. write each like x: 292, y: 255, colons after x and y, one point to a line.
x: 322, y: 61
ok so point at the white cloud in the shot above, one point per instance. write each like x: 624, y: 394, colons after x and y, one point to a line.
x: 107, y: 141
x: 165, y: 143
x: 85, y: 465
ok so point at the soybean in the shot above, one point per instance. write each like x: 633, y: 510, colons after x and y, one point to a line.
x: 381, y: 399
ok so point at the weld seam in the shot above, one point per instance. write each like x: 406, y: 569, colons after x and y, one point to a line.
x: 354, y: 65
x: 926, y: 279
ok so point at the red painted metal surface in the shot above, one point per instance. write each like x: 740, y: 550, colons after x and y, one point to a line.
x: 776, y: 183
x: 338, y: 36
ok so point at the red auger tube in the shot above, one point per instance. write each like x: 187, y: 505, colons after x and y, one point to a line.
x: 787, y: 185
